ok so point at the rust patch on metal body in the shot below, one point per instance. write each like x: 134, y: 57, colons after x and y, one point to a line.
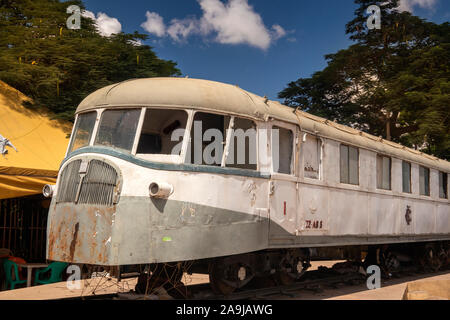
x: 81, y: 233
x: 74, y: 240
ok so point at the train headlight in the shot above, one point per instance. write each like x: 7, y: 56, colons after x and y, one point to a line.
x: 48, y: 190
x: 160, y: 190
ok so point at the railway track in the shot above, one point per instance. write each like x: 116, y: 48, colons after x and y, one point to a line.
x: 316, y: 281
x: 311, y: 281
x: 316, y: 285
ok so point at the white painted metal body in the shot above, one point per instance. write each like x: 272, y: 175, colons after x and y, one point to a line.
x: 284, y: 210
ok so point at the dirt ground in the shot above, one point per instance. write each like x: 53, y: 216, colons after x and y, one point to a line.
x: 392, y: 289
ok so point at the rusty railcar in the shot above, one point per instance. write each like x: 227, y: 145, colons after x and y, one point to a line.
x: 271, y: 185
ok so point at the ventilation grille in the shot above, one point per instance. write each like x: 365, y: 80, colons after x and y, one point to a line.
x: 98, y: 186
x: 70, y: 179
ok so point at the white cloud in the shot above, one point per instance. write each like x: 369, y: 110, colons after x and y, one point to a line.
x: 154, y: 24
x: 234, y: 22
x: 407, y: 5
x: 278, y: 32
x: 105, y: 24
x: 88, y: 14
x: 179, y: 30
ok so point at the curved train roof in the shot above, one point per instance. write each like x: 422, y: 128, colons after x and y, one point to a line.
x: 225, y: 98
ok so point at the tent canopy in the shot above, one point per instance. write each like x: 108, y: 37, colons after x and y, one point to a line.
x: 32, y: 146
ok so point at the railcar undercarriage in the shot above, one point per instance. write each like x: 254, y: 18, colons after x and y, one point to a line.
x: 284, y: 266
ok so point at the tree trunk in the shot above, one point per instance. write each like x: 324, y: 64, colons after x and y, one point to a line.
x: 388, y: 130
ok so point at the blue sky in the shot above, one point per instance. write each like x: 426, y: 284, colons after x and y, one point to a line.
x: 259, y: 45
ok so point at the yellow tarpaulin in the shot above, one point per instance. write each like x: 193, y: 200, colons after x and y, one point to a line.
x: 40, y: 142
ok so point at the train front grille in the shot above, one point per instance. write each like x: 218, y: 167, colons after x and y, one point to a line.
x: 69, y: 182
x: 88, y: 182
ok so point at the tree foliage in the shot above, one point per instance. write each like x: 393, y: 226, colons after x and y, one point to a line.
x: 393, y: 82
x: 58, y: 67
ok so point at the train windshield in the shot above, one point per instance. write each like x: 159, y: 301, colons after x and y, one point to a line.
x: 83, y: 130
x: 117, y: 128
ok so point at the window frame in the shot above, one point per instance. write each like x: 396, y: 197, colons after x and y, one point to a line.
x: 293, y: 129
x: 158, y: 156
x: 163, y: 158
x: 426, y: 181
x: 74, y: 128
x: 380, y: 175
x: 320, y: 146
x: 348, y: 164
x: 410, y: 177
x: 229, y: 135
x: 99, y: 121
x: 225, y: 146
x: 445, y: 181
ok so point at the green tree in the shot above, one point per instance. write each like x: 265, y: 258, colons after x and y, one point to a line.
x: 58, y: 67
x: 393, y: 82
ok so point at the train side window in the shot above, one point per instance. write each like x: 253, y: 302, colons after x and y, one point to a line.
x: 406, y: 176
x: 161, y: 131
x: 282, y: 150
x: 443, y: 185
x: 208, y: 137
x: 383, y: 172
x: 311, y: 157
x: 242, y: 149
x: 424, y: 181
x: 349, y: 164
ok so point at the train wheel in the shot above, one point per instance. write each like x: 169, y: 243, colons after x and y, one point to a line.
x: 290, y: 273
x: 386, y: 258
x: 391, y: 263
x: 292, y: 266
x: 432, y: 258
x: 226, y: 278
x: 445, y: 256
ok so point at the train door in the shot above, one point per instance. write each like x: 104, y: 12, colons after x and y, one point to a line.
x: 283, y: 183
x: 313, y: 197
